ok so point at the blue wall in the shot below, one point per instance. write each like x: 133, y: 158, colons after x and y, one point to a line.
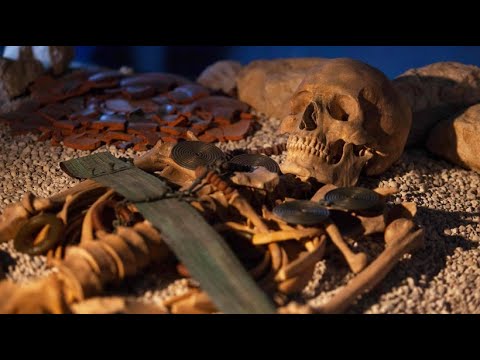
x: 392, y: 60
x: 191, y: 60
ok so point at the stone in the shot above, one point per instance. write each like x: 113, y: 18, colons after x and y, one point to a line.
x: 435, y: 92
x: 221, y: 76
x: 56, y: 58
x: 15, y: 76
x: 267, y: 85
x: 457, y: 139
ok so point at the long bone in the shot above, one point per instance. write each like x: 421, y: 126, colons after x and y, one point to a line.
x: 399, y: 240
x: 356, y: 261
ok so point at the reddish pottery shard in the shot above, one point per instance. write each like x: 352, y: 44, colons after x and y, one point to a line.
x: 166, y: 109
x: 228, y: 113
x: 138, y: 92
x: 199, y: 124
x: 110, y: 136
x: 111, y: 122
x: 151, y: 138
x: 221, y: 121
x: 75, y: 104
x: 212, y: 102
x: 140, y: 127
x: 105, y: 79
x: 82, y: 142
x: 217, y: 133
x: 120, y: 106
x: 47, y: 134
x: 161, y: 100
x: 55, y: 111
x: 162, y: 82
x: 208, y: 138
x: 123, y: 145
x: 173, y: 130
x: 66, y: 124
x: 237, y: 131
x: 146, y: 105
x: 187, y: 93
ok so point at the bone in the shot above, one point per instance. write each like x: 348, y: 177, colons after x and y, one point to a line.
x: 356, y: 262
x: 283, y: 235
x: 196, y: 303
x: 399, y: 244
x: 11, y: 220
x: 87, y: 228
x: 260, y: 178
x: 47, y: 292
x: 303, y: 262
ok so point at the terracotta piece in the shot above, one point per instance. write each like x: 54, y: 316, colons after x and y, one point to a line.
x: 111, y: 122
x: 82, y: 142
x: 187, y: 93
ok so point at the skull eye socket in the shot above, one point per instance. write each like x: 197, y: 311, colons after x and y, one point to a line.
x: 341, y: 107
x: 308, y: 119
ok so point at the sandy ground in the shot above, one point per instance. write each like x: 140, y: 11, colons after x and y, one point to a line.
x: 444, y: 277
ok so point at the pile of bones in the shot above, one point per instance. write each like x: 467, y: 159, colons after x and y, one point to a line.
x: 339, y: 126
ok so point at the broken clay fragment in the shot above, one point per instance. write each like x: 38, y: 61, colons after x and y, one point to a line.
x: 82, y: 142
x: 162, y: 82
x: 137, y: 92
x: 106, y: 76
x: 208, y: 138
x: 213, y: 102
x: 111, y: 122
x: 173, y: 130
x: 187, y: 93
x: 146, y: 105
x: 120, y: 106
x: 66, y: 124
x: 140, y: 127
x: 237, y: 131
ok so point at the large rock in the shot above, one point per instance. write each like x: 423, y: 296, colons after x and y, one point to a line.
x: 221, y: 76
x: 267, y: 85
x: 436, y: 92
x: 15, y: 76
x: 56, y: 58
x: 458, y: 139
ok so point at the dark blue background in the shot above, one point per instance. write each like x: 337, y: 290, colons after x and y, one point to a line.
x: 191, y: 60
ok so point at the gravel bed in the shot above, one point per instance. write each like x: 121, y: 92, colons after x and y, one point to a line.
x: 444, y: 277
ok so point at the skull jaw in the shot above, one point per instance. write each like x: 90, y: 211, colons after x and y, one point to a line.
x: 344, y: 173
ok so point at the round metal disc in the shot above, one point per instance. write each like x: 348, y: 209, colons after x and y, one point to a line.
x: 192, y: 154
x: 353, y: 198
x: 302, y: 212
x: 252, y: 160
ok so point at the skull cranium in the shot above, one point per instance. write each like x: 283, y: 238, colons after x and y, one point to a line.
x: 344, y: 117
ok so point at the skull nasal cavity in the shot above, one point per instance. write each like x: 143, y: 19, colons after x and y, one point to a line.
x: 340, y: 108
x: 308, y: 121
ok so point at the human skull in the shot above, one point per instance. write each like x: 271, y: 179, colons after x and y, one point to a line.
x: 345, y: 116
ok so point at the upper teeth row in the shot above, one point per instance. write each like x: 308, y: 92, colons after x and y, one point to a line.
x: 310, y: 145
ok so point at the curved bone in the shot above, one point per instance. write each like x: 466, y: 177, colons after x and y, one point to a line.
x: 303, y: 262
x: 356, y: 262
x: 87, y: 225
x: 399, y: 243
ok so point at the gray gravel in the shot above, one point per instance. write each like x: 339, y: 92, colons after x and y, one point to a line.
x: 444, y: 277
